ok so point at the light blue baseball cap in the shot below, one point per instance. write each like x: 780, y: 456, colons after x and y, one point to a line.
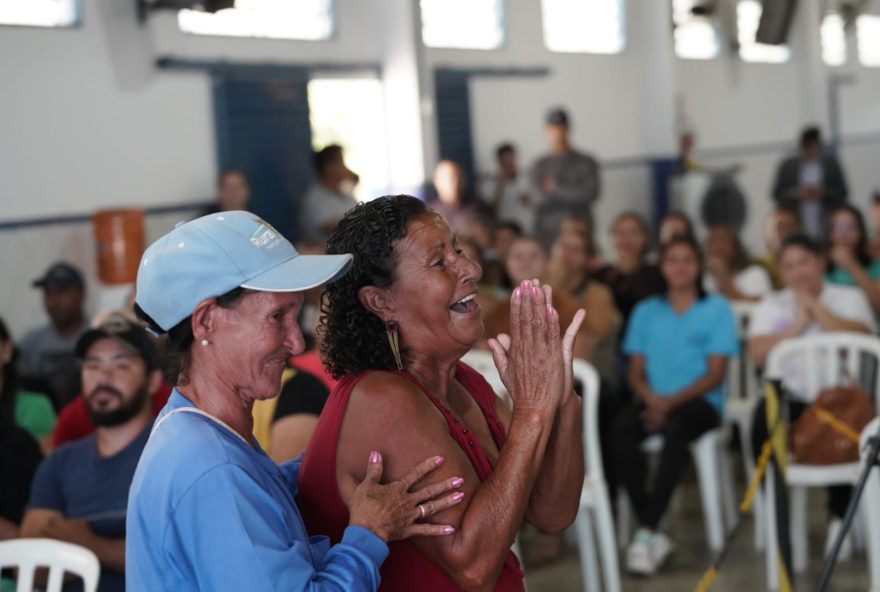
x: 212, y: 255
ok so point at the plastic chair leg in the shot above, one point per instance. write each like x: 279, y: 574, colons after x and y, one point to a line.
x: 770, y: 530
x: 587, y: 549
x: 604, y: 528
x: 871, y: 508
x: 728, y: 492
x: 800, y: 546
x: 705, y: 453
x: 623, y: 519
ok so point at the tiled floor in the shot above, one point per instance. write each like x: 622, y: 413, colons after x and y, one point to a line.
x: 743, y: 570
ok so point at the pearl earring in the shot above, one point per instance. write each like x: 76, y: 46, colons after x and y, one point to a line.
x: 204, y: 343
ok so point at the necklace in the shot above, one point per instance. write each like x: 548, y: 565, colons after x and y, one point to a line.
x: 459, y: 423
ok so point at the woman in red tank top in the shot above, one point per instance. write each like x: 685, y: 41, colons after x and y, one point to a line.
x: 394, y: 330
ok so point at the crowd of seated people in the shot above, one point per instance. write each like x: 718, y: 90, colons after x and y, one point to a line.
x: 659, y: 330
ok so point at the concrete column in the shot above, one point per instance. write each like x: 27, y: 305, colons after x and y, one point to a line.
x: 805, y: 40
x: 649, y: 34
x: 407, y: 103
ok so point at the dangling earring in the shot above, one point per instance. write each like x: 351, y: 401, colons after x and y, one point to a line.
x: 394, y: 342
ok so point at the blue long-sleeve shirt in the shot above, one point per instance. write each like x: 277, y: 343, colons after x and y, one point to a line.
x: 209, y: 512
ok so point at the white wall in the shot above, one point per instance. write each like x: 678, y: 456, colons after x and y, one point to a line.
x: 89, y: 121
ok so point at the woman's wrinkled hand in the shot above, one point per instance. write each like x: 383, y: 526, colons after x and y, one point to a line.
x: 534, y: 361
x: 394, y: 511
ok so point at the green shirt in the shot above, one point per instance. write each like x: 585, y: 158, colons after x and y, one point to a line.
x: 34, y: 413
x: 842, y: 277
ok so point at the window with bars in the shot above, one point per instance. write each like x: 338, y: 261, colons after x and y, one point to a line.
x: 584, y: 26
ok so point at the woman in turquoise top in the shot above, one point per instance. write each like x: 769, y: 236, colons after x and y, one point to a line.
x: 31, y: 411
x: 849, y: 258
x: 677, y: 345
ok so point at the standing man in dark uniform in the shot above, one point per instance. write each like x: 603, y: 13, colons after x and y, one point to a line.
x: 566, y: 181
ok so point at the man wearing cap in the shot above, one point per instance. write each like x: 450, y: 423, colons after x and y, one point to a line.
x: 47, y: 360
x: 565, y: 182
x: 80, y: 491
x: 209, y: 510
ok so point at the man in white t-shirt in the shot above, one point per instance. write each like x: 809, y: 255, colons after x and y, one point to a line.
x: 807, y: 305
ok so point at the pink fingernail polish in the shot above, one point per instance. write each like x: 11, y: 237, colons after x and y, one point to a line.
x: 374, y: 457
x: 534, y: 291
x: 448, y: 530
x: 457, y: 481
x: 457, y: 497
x: 516, y: 293
x: 439, y: 460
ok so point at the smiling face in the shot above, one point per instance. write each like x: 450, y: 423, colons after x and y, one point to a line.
x: 680, y: 267
x: 844, y: 230
x: 630, y: 239
x: 570, y: 253
x: 433, y: 297
x: 801, y: 269
x: 525, y: 260
x: 251, y: 341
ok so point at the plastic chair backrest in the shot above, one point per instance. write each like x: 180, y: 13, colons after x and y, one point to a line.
x: 825, y: 358
x: 482, y: 362
x: 27, y: 555
x: 588, y: 377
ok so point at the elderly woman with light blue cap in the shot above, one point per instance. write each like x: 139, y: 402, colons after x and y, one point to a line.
x: 208, y: 509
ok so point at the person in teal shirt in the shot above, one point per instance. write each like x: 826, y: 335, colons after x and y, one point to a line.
x: 30, y: 411
x: 849, y: 257
x: 677, y: 344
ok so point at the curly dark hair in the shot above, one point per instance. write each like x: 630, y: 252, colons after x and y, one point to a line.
x: 354, y: 338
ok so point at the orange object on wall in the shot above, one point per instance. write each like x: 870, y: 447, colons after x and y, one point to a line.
x: 119, y: 244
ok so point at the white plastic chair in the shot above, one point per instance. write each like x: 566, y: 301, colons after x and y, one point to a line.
x: 743, y: 393
x: 870, y: 505
x: 821, y: 367
x: 594, y: 524
x: 715, y: 482
x: 27, y: 555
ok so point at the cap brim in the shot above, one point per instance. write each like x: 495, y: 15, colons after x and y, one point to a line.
x: 302, y: 272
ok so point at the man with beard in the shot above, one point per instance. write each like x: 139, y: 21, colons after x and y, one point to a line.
x: 80, y: 492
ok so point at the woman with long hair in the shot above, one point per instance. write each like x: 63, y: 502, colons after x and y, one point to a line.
x: 849, y: 255
x: 729, y: 268
x: 22, y: 415
x: 678, y: 344
x: 395, y: 329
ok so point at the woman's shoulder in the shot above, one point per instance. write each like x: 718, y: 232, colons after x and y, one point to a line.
x: 717, y: 303
x: 392, y: 392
